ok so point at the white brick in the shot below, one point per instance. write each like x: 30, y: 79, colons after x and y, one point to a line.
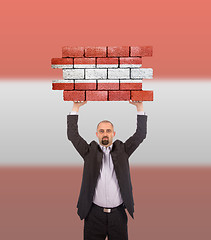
x: 84, y: 65
x: 131, y: 81
x: 107, y: 65
x: 118, y: 73
x: 108, y: 81
x: 73, y: 73
x: 130, y: 65
x: 62, y: 65
x: 96, y: 73
x: 146, y: 73
x: 63, y: 81
x: 85, y: 81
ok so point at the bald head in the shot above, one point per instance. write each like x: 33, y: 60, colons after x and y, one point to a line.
x: 105, y: 121
x: 105, y: 133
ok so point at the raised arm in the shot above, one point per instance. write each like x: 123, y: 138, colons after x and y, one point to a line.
x: 72, y: 130
x: 134, y: 141
x: 77, y: 105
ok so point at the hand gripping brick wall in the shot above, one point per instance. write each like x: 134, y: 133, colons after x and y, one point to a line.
x: 103, y: 73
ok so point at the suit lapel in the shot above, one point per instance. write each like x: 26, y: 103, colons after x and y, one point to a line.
x: 114, y: 154
x: 99, y: 157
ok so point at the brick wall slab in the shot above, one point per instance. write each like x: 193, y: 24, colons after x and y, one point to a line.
x: 103, y: 73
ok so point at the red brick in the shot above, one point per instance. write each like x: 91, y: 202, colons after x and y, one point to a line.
x: 74, y: 95
x: 130, y: 86
x: 61, y: 61
x: 84, y: 61
x: 130, y: 60
x: 96, y: 95
x: 62, y: 86
x: 144, y: 51
x: 95, y: 51
x: 107, y: 60
x: 85, y: 86
x: 72, y: 51
x: 142, y: 95
x: 119, y: 95
x: 118, y: 51
x: 107, y: 86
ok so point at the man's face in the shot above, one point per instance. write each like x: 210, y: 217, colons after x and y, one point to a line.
x: 105, y: 134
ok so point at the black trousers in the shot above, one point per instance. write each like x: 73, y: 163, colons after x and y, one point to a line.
x: 99, y: 224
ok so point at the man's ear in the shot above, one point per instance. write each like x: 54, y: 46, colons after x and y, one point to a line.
x: 96, y: 134
x: 114, y: 133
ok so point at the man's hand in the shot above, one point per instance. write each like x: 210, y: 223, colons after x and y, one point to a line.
x: 77, y: 105
x: 138, y: 104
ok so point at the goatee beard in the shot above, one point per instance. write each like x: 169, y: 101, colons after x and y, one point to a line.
x: 105, y: 142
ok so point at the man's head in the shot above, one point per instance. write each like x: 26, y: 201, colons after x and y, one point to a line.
x: 105, y: 133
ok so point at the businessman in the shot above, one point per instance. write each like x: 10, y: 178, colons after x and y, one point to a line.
x: 106, y: 189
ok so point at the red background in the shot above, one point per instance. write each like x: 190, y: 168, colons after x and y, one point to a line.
x: 171, y: 203
x: 40, y: 203
x: 32, y: 32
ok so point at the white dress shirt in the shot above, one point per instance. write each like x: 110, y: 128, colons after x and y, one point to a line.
x: 107, y: 192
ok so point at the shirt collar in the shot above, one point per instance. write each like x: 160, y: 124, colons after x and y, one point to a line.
x: 110, y: 147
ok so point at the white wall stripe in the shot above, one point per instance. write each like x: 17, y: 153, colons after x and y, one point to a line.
x: 62, y: 66
x: 73, y: 73
x: 131, y: 81
x: 108, y: 81
x: 146, y: 73
x: 96, y: 73
x: 84, y: 65
x: 130, y: 65
x: 63, y: 81
x: 85, y: 81
x: 96, y: 66
x: 118, y: 73
x: 107, y: 65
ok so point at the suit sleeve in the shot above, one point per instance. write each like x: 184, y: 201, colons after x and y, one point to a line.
x: 72, y: 133
x: 141, y: 131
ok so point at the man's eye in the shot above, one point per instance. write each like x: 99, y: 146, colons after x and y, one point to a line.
x: 109, y: 130
x: 101, y: 131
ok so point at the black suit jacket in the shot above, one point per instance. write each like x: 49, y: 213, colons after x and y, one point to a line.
x: 92, y: 155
